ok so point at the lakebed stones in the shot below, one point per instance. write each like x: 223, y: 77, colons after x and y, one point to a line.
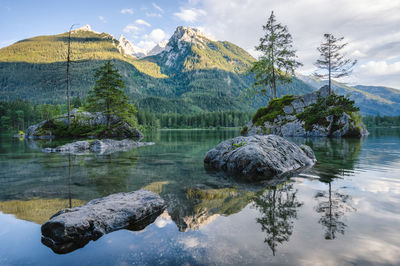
x: 105, y: 146
x: 259, y: 157
x: 73, y: 228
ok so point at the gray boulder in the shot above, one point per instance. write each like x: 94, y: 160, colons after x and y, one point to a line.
x: 105, y: 146
x: 73, y: 228
x: 259, y: 157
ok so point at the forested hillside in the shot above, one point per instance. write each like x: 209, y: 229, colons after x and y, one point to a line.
x: 372, y: 100
x: 191, y: 76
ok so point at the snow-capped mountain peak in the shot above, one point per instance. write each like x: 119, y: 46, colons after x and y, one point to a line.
x: 85, y: 28
x: 160, y: 47
x: 128, y: 48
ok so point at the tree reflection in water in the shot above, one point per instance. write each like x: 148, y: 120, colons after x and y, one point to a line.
x: 332, y: 205
x: 278, y: 207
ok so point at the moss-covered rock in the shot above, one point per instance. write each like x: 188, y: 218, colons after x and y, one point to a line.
x: 83, y: 124
x: 316, y: 114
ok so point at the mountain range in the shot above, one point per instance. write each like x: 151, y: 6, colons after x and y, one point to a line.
x: 372, y: 100
x: 189, y: 73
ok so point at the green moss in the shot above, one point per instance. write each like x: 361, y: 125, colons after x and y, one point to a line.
x: 238, y: 145
x: 60, y: 129
x: 273, y: 109
x: 334, y: 105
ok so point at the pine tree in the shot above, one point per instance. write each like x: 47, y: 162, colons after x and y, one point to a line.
x: 332, y: 62
x: 278, y: 60
x: 108, y: 97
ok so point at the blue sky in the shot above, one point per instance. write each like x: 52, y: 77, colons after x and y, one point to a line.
x: 371, y: 27
x: 24, y: 19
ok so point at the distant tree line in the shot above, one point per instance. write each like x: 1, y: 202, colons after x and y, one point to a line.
x: 19, y: 114
x: 200, y: 120
x: 381, y: 121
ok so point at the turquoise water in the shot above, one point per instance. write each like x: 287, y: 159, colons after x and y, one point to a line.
x: 343, y: 211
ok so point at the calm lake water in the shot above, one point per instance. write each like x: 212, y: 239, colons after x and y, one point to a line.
x: 344, y: 211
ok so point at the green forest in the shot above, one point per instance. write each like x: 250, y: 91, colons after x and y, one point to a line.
x: 19, y: 114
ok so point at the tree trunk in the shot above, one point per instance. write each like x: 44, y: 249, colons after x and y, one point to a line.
x: 68, y: 82
x: 273, y: 72
x: 108, y: 115
x: 329, y: 58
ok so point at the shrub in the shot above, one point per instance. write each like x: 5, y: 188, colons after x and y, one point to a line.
x: 333, y: 105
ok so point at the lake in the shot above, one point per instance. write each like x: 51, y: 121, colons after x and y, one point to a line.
x: 343, y: 211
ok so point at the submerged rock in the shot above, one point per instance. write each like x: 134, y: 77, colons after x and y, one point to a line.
x: 259, y: 157
x: 105, y: 146
x: 291, y: 116
x: 70, y: 229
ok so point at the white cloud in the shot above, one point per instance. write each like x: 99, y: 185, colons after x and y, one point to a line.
x: 157, y: 35
x: 151, y: 14
x: 370, y: 27
x: 142, y: 22
x: 131, y: 29
x: 148, y: 41
x: 146, y: 45
x: 102, y: 19
x: 158, y: 7
x: 381, y: 68
x: 127, y: 11
x: 190, y: 15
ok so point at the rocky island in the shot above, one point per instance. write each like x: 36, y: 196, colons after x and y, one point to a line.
x: 315, y: 114
x: 83, y: 124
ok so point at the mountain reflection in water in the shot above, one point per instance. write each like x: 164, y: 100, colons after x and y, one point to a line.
x: 213, y: 219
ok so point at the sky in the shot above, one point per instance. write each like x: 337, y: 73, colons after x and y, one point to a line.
x: 371, y: 27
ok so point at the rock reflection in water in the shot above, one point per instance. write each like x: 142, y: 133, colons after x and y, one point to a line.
x: 67, y: 247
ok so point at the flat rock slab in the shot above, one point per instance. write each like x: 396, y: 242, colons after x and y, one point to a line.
x: 105, y: 146
x: 259, y: 157
x: 73, y: 228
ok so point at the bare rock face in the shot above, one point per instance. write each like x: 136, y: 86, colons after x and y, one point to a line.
x: 259, y: 157
x: 70, y: 229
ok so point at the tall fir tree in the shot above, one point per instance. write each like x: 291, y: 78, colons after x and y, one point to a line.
x: 278, y: 60
x: 107, y: 96
x: 332, y: 62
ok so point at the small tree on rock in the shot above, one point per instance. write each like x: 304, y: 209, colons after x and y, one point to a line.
x: 107, y: 96
x: 278, y: 60
x: 332, y: 63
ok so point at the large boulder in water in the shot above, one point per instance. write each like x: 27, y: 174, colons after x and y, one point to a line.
x: 316, y: 114
x: 259, y: 157
x: 73, y: 228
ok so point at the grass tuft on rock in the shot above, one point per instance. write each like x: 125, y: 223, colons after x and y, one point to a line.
x: 273, y: 109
